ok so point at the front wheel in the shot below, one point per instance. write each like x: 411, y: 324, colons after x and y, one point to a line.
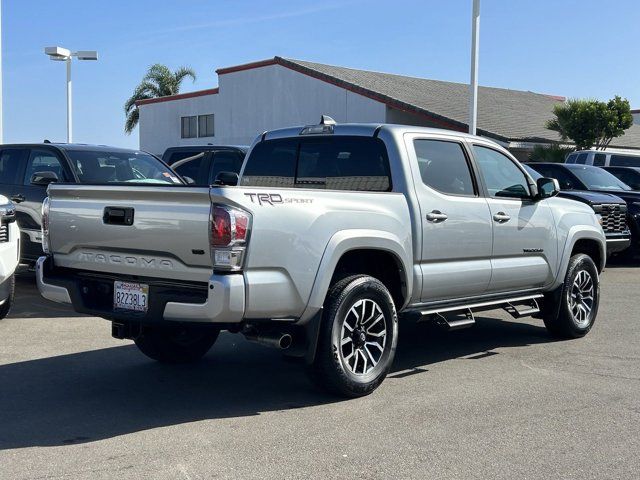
x: 5, y: 308
x: 357, y: 338
x: 571, y: 311
x: 176, y: 344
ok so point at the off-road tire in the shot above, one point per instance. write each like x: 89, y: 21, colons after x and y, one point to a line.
x: 176, y: 344
x: 560, y: 309
x: 5, y: 308
x: 330, y: 369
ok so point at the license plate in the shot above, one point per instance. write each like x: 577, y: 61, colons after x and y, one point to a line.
x: 130, y: 296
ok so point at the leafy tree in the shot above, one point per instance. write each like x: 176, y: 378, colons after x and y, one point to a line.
x: 551, y: 153
x: 591, y: 123
x: 159, y: 81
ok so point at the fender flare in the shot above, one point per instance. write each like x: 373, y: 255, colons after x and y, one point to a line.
x: 355, y: 239
x: 575, y: 234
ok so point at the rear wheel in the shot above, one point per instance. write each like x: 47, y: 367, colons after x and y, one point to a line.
x: 357, y: 339
x: 571, y: 311
x: 176, y: 344
x: 5, y: 308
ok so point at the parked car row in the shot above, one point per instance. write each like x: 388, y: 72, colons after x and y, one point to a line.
x: 619, y: 211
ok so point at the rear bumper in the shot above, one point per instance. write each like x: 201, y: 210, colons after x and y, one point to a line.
x: 220, y: 300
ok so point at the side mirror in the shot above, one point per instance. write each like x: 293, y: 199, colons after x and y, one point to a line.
x: 227, y: 178
x: 547, y: 187
x: 189, y: 180
x: 44, y: 178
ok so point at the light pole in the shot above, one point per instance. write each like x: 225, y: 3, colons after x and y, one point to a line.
x: 475, y: 47
x: 60, y: 54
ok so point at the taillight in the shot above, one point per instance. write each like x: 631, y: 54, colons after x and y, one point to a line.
x: 229, y: 235
x: 45, y: 225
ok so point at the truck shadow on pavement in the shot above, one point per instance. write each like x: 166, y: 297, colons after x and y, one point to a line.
x: 98, y: 394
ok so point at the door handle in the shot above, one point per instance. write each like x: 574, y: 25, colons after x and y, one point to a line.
x: 18, y: 198
x: 436, y: 216
x: 501, y: 217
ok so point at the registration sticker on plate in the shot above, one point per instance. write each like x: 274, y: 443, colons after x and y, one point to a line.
x: 130, y: 296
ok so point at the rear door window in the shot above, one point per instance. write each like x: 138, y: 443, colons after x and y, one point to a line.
x: 11, y: 163
x: 624, y: 161
x: 444, y: 167
x: 334, y: 163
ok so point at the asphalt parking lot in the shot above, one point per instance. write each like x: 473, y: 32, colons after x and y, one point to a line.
x: 500, y: 400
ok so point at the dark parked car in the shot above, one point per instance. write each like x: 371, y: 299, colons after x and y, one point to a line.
x: 27, y: 169
x: 201, y: 164
x: 629, y: 175
x: 574, y: 177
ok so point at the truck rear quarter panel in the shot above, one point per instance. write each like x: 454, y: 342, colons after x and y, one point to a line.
x: 297, y: 236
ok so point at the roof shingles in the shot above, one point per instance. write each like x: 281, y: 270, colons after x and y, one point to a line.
x: 510, y: 115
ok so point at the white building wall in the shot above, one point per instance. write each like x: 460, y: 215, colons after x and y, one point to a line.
x: 159, y: 125
x: 252, y: 101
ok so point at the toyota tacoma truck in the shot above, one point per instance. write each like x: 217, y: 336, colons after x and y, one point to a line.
x: 332, y: 234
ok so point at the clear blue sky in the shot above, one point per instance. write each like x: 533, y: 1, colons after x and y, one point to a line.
x: 575, y: 48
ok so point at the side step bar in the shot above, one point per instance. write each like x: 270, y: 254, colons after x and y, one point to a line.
x: 461, y: 316
x: 481, y: 305
x: 527, y: 308
x: 452, y: 321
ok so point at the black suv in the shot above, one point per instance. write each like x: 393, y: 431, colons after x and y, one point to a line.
x: 616, y: 220
x: 27, y: 169
x: 200, y: 165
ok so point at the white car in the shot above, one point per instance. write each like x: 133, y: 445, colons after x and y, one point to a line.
x: 9, y: 254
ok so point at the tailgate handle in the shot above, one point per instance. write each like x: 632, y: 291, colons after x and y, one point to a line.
x: 118, y: 215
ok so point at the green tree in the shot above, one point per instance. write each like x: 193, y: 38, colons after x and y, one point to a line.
x: 159, y: 81
x: 591, y: 123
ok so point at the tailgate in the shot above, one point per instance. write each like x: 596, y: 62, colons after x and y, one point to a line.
x: 168, y: 236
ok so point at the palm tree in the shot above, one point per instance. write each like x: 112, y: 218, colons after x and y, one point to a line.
x: 158, y: 82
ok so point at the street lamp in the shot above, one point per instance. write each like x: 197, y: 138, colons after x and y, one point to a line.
x: 60, y: 54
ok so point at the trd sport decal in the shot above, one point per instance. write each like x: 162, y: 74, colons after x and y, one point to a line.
x: 275, y: 199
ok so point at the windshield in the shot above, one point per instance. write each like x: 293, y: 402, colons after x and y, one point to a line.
x: 98, y: 167
x: 597, y: 179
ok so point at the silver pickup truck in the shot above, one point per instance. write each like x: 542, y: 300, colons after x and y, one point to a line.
x: 332, y: 233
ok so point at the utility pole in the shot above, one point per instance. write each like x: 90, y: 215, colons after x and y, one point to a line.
x: 475, y: 47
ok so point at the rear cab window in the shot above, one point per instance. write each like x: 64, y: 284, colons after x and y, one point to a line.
x: 352, y: 163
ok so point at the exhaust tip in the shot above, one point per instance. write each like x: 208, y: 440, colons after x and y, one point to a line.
x: 285, y: 341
